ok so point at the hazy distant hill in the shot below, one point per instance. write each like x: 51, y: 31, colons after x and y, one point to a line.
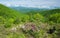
x: 27, y: 9
x: 44, y: 11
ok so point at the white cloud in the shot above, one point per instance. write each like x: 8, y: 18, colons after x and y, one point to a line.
x: 31, y: 3
x: 45, y: 6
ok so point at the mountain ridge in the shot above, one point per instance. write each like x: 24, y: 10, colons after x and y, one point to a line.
x: 28, y: 9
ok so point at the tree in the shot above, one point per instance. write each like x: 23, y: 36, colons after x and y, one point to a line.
x: 38, y: 17
x: 2, y: 20
x: 55, y: 18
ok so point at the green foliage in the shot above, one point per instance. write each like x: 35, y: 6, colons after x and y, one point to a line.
x: 38, y: 17
x: 7, y: 25
x: 8, y: 16
x: 16, y: 35
x: 55, y: 18
x: 16, y: 21
x: 2, y: 20
x: 25, y: 18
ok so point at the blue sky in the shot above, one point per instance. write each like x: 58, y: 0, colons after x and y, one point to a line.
x: 31, y: 3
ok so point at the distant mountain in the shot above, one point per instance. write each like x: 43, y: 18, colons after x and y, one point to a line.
x: 43, y: 11
x: 28, y: 9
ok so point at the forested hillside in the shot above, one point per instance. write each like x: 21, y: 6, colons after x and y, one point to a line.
x: 32, y: 24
